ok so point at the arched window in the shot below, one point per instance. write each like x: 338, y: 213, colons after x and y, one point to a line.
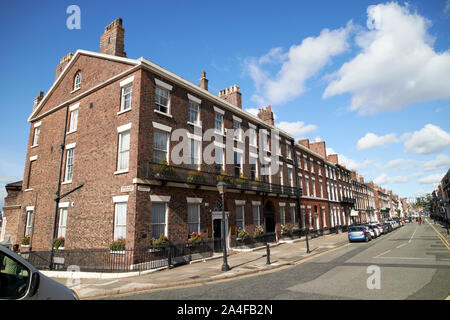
x: 77, y: 81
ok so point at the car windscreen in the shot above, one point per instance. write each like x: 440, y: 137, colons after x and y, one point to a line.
x: 356, y: 229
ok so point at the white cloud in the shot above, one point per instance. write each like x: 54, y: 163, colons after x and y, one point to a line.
x: 432, y: 179
x: 402, y: 164
x: 371, y: 140
x: 441, y: 162
x: 429, y: 139
x: 397, y: 65
x: 350, y: 163
x: 299, y: 64
x: 296, y: 129
x: 447, y: 7
x: 385, y: 179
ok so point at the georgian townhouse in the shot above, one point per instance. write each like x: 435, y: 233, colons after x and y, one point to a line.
x: 312, y: 181
x: 103, y: 138
x: 105, y: 160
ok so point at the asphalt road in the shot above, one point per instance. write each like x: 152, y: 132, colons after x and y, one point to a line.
x: 408, y: 263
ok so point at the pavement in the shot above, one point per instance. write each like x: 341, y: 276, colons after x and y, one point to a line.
x: 242, y: 264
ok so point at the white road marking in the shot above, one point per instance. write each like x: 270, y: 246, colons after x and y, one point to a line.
x: 381, y: 254
x: 413, y: 235
x: 412, y: 258
x: 404, y: 244
x: 105, y: 284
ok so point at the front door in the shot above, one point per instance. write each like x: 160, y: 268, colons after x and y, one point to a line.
x: 269, y: 223
x: 217, y: 234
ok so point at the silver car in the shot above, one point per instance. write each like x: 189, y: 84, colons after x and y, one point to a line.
x: 19, y: 280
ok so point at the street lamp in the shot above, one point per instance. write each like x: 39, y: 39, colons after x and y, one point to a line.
x: 222, y: 188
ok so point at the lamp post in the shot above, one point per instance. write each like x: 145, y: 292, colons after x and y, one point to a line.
x: 222, y: 188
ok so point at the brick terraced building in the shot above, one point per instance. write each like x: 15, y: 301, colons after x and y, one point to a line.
x: 99, y: 162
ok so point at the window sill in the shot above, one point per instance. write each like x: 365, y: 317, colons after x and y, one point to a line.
x: 34, y: 146
x: 26, y: 190
x: 121, y: 171
x: 164, y: 114
x: 194, y: 124
x: 123, y: 111
x: 75, y: 90
x: 69, y: 132
x: 67, y: 182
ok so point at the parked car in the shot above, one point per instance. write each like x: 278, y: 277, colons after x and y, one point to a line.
x: 376, y: 229
x: 383, y: 231
x: 20, y: 280
x: 358, y: 233
x: 388, y: 227
x: 370, y: 229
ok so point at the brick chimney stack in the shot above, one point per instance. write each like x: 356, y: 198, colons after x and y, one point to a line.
x: 38, y: 99
x: 319, y: 147
x: 232, y: 95
x: 203, y: 82
x: 62, y: 64
x: 361, y: 179
x: 112, y: 40
x: 266, y: 115
x: 353, y: 175
x: 333, y: 158
x: 304, y: 142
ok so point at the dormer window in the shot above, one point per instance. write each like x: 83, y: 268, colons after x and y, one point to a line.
x: 77, y: 81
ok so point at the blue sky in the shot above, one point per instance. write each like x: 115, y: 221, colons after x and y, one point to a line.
x: 371, y: 78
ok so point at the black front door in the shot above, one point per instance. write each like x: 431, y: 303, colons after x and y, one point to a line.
x: 217, y: 234
x: 269, y: 222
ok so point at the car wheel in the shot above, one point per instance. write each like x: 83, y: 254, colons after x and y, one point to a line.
x: 367, y: 239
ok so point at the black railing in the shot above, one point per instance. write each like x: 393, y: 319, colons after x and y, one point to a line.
x: 167, y: 173
x: 127, y: 260
x: 347, y: 200
x: 253, y: 241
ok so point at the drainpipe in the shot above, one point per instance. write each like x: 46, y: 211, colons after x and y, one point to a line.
x: 58, y: 191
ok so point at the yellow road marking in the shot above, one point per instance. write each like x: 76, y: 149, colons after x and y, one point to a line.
x: 441, y: 237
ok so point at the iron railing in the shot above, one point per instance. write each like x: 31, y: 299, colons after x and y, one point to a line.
x: 168, y: 173
x: 126, y: 260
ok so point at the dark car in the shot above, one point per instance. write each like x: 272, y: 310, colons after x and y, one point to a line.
x: 387, y: 226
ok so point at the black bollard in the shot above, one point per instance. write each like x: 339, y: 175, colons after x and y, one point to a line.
x: 268, y: 253
x: 169, y: 258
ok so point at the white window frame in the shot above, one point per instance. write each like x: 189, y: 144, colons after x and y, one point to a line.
x: 166, y: 216
x: 197, y: 221
x: 164, y: 87
x: 167, y: 144
x: 77, y: 80
x: 124, y: 154
x: 257, y: 221
x: 218, y: 116
x: 192, y: 105
x: 243, y: 216
x: 62, y: 223
x: 123, y: 106
x: 282, y: 215
x: 120, y: 229
x: 292, y: 212
x: 29, y: 223
x: 237, y: 132
x: 36, y: 134
x: 73, y: 122
x: 70, y: 154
